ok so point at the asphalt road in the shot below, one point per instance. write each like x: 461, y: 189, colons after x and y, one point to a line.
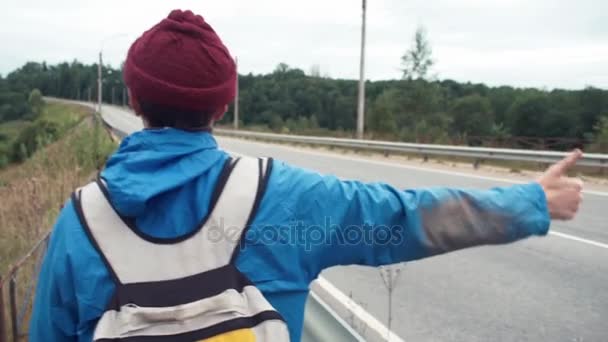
x: 541, y: 289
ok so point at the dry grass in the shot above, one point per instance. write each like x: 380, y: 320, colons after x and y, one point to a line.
x: 31, y: 195
x: 33, y: 192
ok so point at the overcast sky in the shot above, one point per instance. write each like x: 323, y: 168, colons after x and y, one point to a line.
x: 537, y: 43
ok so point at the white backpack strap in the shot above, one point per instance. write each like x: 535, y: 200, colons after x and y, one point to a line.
x: 134, y: 257
x: 236, y: 207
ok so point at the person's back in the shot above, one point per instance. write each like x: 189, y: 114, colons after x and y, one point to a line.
x: 178, y: 237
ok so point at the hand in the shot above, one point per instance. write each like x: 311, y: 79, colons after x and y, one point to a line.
x: 564, y: 194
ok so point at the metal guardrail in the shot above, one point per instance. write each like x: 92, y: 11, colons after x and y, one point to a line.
x: 477, y: 153
x: 20, y: 304
x: 322, y: 323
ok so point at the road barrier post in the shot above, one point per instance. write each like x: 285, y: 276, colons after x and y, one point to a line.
x: 3, y: 334
x: 12, y: 288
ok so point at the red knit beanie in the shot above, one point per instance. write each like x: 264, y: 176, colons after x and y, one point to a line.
x: 181, y: 63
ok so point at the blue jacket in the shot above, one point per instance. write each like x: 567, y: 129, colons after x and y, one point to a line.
x: 164, y: 179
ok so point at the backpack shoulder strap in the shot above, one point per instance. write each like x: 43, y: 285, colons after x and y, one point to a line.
x: 237, y: 205
x: 131, y: 258
x: 264, y: 170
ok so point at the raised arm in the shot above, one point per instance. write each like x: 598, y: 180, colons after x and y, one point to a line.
x: 349, y: 222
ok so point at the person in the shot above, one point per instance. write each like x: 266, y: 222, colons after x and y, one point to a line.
x: 179, y: 240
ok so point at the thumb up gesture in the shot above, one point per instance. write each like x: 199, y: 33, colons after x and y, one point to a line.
x: 564, y: 194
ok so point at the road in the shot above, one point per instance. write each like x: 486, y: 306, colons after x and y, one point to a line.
x: 541, y: 289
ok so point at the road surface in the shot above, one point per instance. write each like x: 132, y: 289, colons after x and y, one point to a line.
x: 542, y: 289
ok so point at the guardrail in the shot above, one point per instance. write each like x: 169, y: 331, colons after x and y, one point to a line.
x: 476, y: 153
x: 20, y: 299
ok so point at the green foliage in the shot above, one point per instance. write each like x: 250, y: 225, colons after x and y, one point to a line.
x: 472, y: 115
x: 36, y: 103
x: 499, y: 131
x: 382, y: 117
x: 601, y: 135
x: 33, y: 137
x: 20, y: 139
x: 528, y: 114
x: 417, y: 60
x: 92, y: 147
x: 13, y: 106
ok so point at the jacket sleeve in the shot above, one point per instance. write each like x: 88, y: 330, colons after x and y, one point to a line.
x: 55, y: 314
x: 347, y: 222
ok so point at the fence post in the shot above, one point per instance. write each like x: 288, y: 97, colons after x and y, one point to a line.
x: 12, y: 288
x: 3, y: 335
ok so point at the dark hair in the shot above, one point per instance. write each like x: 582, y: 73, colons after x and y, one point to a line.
x: 162, y: 116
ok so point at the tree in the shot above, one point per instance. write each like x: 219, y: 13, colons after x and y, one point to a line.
x: 592, y: 103
x: 528, y: 114
x: 601, y: 135
x: 382, y: 116
x: 417, y: 60
x: 281, y: 68
x: 33, y: 137
x: 36, y: 103
x: 315, y: 70
x: 501, y: 99
x: 472, y: 115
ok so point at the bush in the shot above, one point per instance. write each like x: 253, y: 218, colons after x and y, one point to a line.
x: 33, y: 137
x: 13, y: 106
x: 36, y: 103
x: 601, y: 135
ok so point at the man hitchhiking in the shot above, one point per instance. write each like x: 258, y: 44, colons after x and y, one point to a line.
x: 179, y: 241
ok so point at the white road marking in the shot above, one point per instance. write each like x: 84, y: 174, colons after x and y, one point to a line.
x: 576, y: 238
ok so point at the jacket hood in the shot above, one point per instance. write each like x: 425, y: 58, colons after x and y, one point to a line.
x: 152, y: 162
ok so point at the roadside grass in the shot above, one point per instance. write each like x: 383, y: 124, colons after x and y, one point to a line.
x: 33, y: 192
x: 8, y: 133
x: 10, y: 129
x: 20, y: 138
x: 66, y: 115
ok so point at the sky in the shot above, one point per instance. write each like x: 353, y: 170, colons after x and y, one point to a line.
x: 523, y: 43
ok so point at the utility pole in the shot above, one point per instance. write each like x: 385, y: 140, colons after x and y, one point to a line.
x: 99, y: 71
x: 112, y: 94
x: 89, y: 94
x: 361, y: 104
x: 99, y: 83
x: 236, y: 98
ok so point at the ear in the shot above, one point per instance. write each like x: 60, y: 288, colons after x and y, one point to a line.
x: 134, y: 104
x: 137, y: 108
x: 220, y: 113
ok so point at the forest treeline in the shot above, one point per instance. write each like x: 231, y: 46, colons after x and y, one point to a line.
x: 410, y: 109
